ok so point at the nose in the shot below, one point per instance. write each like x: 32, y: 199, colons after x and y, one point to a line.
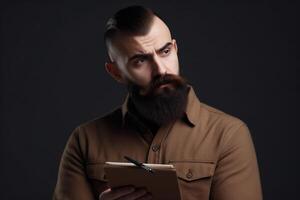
x: 158, y: 66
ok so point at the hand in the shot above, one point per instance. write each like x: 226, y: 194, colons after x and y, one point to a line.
x: 125, y: 193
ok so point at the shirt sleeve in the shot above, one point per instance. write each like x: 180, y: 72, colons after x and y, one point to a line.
x: 237, y: 175
x: 72, y: 183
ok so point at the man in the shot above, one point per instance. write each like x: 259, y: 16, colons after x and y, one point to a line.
x: 161, y: 121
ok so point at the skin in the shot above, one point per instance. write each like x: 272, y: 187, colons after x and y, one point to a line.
x: 138, y: 59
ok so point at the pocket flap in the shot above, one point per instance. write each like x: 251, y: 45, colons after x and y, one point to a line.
x: 190, y: 171
x: 96, y: 171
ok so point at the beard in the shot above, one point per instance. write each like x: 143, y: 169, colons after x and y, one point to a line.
x: 163, y: 101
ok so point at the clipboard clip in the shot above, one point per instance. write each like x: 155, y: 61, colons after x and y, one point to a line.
x: 139, y: 164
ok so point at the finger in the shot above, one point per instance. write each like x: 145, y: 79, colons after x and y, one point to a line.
x: 116, y: 193
x: 134, y: 195
x: 104, y: 193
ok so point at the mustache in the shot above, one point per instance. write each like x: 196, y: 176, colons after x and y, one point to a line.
x: 161, y: 79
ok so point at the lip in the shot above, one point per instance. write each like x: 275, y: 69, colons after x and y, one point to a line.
x: 164, y: 85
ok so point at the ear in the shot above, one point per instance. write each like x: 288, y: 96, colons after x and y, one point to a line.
x: 114, y: 71
x: 175, y: 45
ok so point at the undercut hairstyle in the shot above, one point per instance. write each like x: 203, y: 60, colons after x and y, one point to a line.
x: 133, y: 20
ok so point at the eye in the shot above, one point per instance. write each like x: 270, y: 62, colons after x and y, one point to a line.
x: 166, y: 51
x: 140, y: 61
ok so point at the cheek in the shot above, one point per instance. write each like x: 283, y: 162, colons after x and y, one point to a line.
x: 142, y: 76
x: 172, y: 64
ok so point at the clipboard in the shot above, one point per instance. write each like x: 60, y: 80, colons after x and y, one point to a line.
x: 162, y: 184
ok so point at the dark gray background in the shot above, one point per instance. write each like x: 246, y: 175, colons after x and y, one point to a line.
x: 241, y: 58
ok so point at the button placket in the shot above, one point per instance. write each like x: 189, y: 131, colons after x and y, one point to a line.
x: 189, y: 174
x: 155, y: 147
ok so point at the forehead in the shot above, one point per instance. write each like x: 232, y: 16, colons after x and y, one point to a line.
x: 158, y: 35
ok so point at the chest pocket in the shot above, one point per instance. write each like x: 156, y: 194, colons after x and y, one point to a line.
x: 194, y: 178
x: 97, y: 178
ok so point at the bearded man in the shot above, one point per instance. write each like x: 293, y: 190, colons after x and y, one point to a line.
x: 161, y: 121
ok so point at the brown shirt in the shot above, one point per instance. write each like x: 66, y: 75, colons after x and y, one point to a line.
x: 212, y: 152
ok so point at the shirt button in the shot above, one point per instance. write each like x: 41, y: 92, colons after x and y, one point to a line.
x: 189, y: 174
x: 155, y: 147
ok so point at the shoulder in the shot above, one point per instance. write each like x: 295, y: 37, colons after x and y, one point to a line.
x: 94, y: 127
x: 88, y: 138
x: 213, y: 116
x: 231, y: 130
x: 113, y: 117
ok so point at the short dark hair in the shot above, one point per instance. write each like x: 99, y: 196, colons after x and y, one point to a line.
x: 132, y: 20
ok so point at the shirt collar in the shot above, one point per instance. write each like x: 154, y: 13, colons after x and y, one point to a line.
x: 192, y: 108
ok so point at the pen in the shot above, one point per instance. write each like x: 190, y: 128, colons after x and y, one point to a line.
x: 137, y: 163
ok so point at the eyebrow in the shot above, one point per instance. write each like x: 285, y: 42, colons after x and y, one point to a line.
x: 143, y: 55
x: 165, y: 46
